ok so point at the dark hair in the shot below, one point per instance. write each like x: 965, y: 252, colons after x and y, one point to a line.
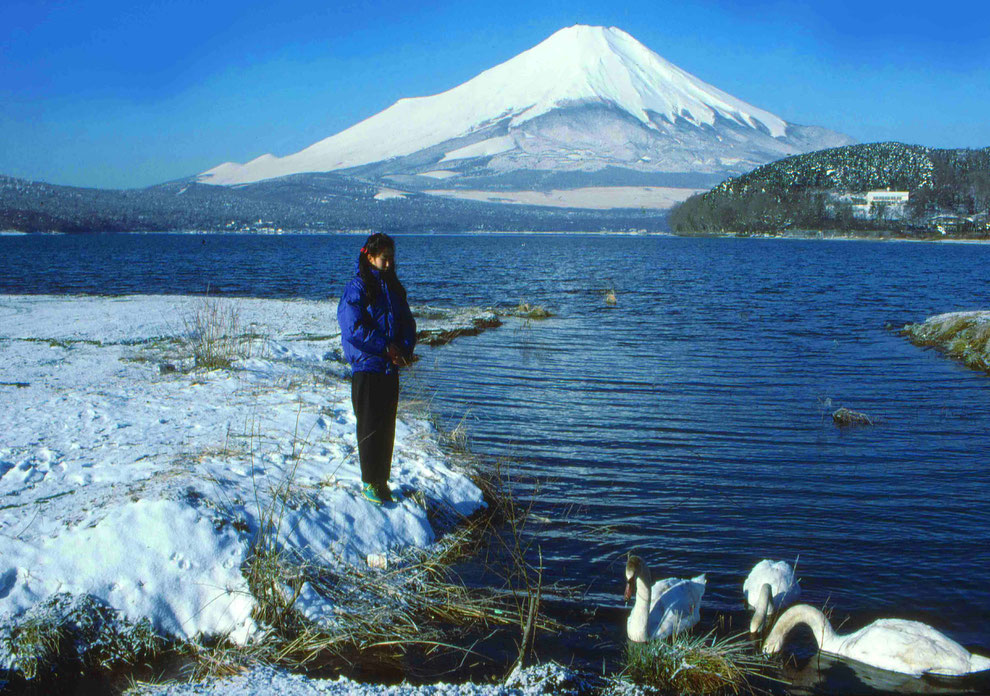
x: 374, y: 246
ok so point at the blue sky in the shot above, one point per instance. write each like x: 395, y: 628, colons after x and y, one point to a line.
x: 129, y: 94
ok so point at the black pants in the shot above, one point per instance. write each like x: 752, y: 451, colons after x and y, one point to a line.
x: 375, y: 397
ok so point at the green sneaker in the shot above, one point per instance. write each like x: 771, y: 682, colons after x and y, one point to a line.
x: 385, y: 493
x: 371, y: 494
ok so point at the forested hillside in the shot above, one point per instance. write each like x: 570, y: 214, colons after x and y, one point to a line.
x: 949, y: 191
x: 303, y: 202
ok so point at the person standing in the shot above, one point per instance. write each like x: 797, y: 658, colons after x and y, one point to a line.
x: 378, y: 333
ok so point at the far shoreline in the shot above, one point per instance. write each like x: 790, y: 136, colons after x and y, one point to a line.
x: 326, y: 233
x: 526, y: 233
x: 842, y: 238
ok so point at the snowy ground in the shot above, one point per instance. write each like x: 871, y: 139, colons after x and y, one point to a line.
x: 547, y: 679
x: 595, y: 197
x: 128, y: 476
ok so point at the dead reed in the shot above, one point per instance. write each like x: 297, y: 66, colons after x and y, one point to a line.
x: 379, y: 615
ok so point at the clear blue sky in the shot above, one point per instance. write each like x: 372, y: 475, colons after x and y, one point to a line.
x: 127, y: 94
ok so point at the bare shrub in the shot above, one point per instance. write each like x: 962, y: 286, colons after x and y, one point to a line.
x: 214, y: 335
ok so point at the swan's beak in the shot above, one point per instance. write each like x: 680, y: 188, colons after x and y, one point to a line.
x: 629, y: 588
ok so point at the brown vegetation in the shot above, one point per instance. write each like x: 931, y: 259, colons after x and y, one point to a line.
x: 964, y: 336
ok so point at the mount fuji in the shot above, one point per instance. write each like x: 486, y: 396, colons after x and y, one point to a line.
x: 590, y: 118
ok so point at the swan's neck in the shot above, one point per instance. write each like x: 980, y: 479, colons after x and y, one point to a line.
x: 762, y: 609
x: 803, y: 614
x: 637, y: 625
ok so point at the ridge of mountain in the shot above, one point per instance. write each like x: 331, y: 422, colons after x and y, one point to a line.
x: 587, y: 99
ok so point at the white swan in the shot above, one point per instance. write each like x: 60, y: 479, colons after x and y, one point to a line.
x: 669, y: 607
x: 770, y: 587
x: 896, y: 645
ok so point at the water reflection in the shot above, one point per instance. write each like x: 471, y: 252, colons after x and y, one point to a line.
x: 825, y: 674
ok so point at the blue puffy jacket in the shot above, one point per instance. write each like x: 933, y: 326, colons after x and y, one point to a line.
x: 366, y: 330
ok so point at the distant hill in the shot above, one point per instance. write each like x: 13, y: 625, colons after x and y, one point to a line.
x: 304, y: 202
x: 948, y: 192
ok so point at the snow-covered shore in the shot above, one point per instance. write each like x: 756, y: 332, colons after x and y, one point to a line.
x: 549, y: 679
x: 131, y: 478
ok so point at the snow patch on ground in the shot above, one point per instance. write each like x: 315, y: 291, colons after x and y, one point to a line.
x: 549, y: 679
x: 485, y: 148
x: 594, y: 197
x: 388, y: 193
x: 439, y: 174
x: 127, y: 476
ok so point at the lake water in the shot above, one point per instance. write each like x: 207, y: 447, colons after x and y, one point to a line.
x: 690, y: 422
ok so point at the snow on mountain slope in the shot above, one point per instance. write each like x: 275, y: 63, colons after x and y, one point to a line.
x: 493, y: 115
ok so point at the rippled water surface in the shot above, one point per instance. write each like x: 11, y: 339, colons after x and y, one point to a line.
x: 691, y: 421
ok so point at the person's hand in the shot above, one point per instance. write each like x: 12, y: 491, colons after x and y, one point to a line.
x: 395, y: 356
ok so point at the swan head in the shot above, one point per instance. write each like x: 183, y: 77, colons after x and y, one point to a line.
x: 635, y: 568
x: 762, y: 609
x: 775, y: 639
x: 773, y: 643
x: 799, y: 614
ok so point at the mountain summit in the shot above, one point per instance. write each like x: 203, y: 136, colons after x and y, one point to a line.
x: 589, y: 105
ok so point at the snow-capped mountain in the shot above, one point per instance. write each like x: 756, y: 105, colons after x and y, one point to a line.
x: 589, y: 106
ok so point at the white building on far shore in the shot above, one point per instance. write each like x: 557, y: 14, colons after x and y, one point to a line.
x: 881, y: 203
x: 887, y: 197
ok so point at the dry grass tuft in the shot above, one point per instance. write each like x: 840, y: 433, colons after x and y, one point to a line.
x: 213, y: 660
x: 379, y: 615
x: 33, y: 644
x: 214, y: 334
x: 66, y: 633
x: 698, y: 665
